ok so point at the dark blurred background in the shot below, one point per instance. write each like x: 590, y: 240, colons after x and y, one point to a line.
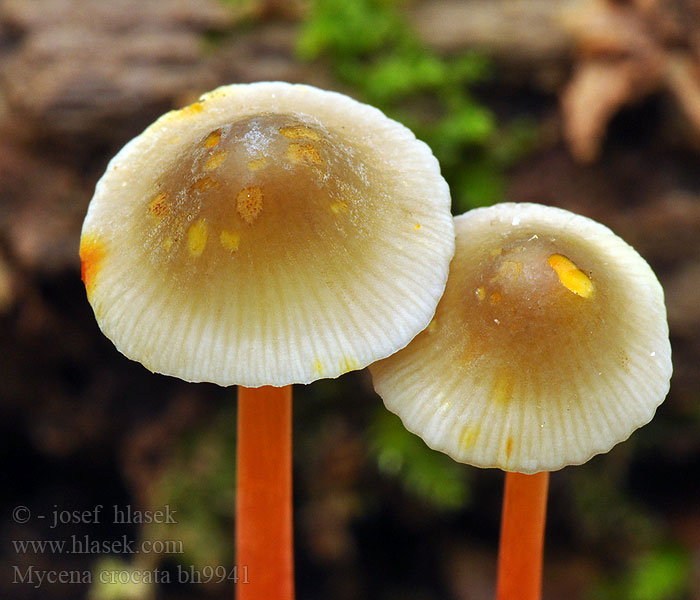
x: 588, y: 105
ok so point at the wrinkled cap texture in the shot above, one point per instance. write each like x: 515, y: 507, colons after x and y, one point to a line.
x: 549, y: 346
x: 267, y: 234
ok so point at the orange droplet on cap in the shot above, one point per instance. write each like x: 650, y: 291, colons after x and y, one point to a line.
x: 570, y: 276
x: 92, y: 253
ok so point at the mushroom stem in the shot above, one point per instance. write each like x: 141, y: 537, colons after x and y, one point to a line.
x: 264, y: 543
x: 522, y: 536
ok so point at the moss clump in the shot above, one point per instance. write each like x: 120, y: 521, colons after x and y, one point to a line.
x: 371, y: 47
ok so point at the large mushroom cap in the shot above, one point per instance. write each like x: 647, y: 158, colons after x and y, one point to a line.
x: 549, y: 346
x: 268, y: 234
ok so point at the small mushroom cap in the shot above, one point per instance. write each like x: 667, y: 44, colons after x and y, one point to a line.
x: 549, y: 346
x: 267, y: 234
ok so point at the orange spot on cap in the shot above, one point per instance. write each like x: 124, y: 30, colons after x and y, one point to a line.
x: 215, y: 160
x: 249, y: 203
x: 92, y: 253
x: 509, y: 447
x: 298, y: 153
x: 158, y: 207
x: 204, y: 184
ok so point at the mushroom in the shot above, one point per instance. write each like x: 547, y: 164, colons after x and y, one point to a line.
x: 550, y: 345
x: 266, y: 235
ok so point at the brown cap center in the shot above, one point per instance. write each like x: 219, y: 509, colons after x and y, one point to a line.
x: 252, y: 190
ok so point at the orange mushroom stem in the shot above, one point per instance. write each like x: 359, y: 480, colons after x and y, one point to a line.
x: 264, y: 539
x: 254, y: 193
x: 522, y: 536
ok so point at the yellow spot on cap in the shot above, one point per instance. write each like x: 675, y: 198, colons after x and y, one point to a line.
x: 348, y: 364
x: 467, y: 438
x: 570, y: 276
x: 339, y: 207
x: 502, y: 390
x: 92, y: 253
x: 230, y: 240
x: 298, y: 153
x: 496, y: 251
x: 480, y: 292
x: 158, y: 207
x: 417, y: 226
x: 192, y: 109
x: 318, y: 367
x: 257, y: 164
x: 299, y: 131
x: 249, y: 203
x: 215, y: 160
x: 212, y: 139
x: 197, y: 236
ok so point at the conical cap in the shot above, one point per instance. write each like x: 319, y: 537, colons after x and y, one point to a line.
x: 549, y: 346
x: 268, y: 234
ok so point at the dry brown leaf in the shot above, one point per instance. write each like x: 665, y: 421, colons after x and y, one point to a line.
x: 628, y: 50
x: 596, y: 92
x: 683, y: 80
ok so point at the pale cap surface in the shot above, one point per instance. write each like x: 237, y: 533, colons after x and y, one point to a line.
x: 549, y: 346
x: 267, y: 234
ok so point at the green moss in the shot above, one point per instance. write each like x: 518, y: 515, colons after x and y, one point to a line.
x: 661, y: 574
x: 346, y: 29
x: 371, y: 47
x: 199, y: 484
x: 116, y: 579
